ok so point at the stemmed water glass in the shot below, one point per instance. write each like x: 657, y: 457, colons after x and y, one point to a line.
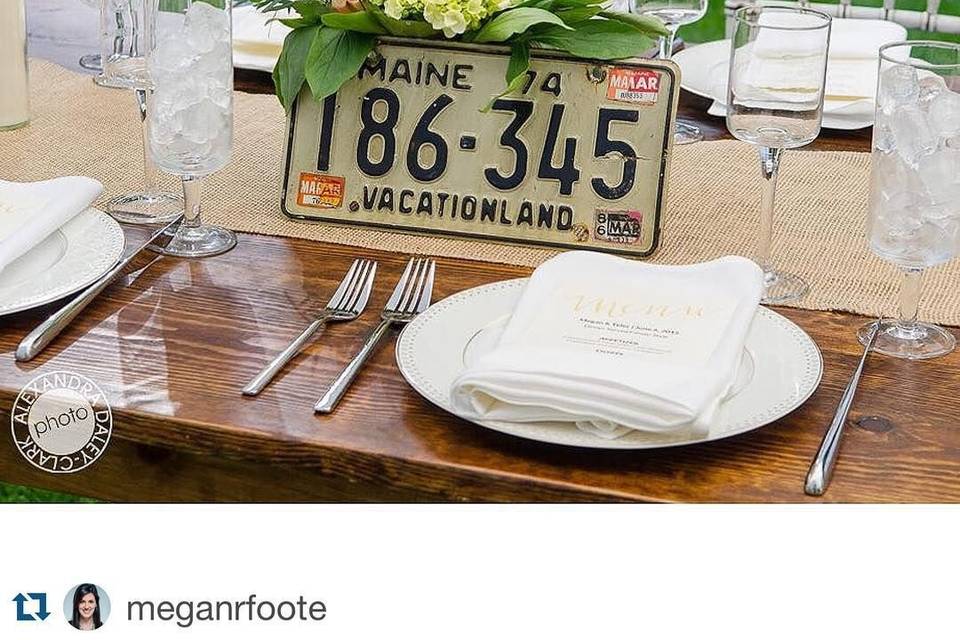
x: 124, y: 41
x: 674, y: 13
x: 778, y: 64
x: 914, y: 216
x: 91, y: 61
x: 191, y: 114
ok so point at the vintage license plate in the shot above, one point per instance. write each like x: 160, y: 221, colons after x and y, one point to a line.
x: 578, y: 158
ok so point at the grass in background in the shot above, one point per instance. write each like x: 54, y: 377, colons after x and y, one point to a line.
x: 16, y: 493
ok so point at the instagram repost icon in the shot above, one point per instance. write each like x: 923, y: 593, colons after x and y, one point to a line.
x: 61, y: 422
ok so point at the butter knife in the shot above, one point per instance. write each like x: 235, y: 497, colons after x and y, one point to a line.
x: 818, y: 477
x: 46, y: 331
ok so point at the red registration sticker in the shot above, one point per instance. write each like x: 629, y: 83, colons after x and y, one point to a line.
x: 639, y: 86
x: 320, y: 191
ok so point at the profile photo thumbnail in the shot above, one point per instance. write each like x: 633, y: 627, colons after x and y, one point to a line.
x: 86, y: 607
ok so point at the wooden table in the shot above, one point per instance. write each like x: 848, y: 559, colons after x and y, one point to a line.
x: 173, y: 346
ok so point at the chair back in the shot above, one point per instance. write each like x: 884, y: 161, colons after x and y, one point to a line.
x: 929, y: 20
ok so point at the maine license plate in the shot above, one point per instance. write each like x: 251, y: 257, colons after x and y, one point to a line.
x: 577, y: 158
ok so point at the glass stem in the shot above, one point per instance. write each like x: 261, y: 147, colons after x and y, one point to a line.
x: 191, y: 201
x: 149, y: 168
x: 666, y: 42
x: 910, y: 300
x: 769, y: 167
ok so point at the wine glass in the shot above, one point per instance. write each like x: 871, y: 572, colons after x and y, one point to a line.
x: 674, y: 13
x: 778, y: 64
x: 124, y: 38
x: 191, y: 114
x: 91, y: 61
x: 914, y: 215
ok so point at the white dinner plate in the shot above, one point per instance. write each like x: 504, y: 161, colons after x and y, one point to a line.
x: 703, y: 71
x: 782, y: 369
x: 68, y: 260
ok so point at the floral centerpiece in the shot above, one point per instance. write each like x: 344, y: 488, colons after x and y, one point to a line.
x: 331, y: 40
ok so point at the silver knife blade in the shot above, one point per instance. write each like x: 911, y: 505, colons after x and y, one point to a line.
x: 50, y: 328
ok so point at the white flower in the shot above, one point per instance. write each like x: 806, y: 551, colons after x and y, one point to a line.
x: 393, y: 9
x: 454, y: 23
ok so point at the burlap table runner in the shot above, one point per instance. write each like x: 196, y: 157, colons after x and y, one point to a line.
x: 79, y: 128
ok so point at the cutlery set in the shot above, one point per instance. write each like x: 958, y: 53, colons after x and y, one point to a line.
x: 411, y: 296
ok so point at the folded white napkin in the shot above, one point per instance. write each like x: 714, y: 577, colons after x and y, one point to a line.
x: 31, y: 211
x: 612, y: 345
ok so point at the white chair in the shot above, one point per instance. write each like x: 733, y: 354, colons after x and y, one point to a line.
x: 929, y: 20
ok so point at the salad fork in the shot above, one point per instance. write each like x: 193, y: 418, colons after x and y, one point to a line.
x: 411, y: 296
x: 347, y: 303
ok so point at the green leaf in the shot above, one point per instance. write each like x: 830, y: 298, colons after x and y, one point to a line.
x: 293, y: 23
x: 311, y: 10
x: 517, y: 69
x: 599, y: 39
x: 518, y: 66
x: 644, y: 23
x: 359, y: 21
x: 272, y: 5
x: 514, y: 21
x: 289, y: 73
x: 335, y: 57
x: 404, y: 28
x: 576, y: 15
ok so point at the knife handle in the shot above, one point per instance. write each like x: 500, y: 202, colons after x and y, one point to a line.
x: 821, y: 469
x: 50, y: 328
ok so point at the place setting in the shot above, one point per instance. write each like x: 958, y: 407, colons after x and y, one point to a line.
x: 55, y: 243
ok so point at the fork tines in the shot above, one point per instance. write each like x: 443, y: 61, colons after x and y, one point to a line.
x: 414, y: 290
x: 354, y: 289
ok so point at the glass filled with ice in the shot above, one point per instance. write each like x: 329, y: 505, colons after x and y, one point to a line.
x: 914, y: 216
x: 191, y: 114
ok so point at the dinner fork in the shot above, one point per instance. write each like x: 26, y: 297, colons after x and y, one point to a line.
x: 411, y: 296
x: 347, y: 302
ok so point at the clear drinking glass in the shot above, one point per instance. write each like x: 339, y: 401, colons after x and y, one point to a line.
x: 191, y: 114
x: 914, y: 217
x: 778, y: 64
x: 674, y: 13
x: 91, y: 61
x: 124, y: 41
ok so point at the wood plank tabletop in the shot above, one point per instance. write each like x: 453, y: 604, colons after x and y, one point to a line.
x: 172, y: 345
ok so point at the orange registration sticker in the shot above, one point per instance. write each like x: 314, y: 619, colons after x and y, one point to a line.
x: 639, y: 86
x: 320, y: 191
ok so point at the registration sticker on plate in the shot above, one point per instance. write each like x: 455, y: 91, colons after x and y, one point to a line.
x: 320, y: 191
x: 419, y: 143
x: 641, y: 86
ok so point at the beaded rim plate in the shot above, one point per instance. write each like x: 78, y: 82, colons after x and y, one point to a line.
x: 786, y: 370
x: 67, y: 261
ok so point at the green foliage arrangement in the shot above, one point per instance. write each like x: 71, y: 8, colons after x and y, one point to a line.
x: 326, y: 47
